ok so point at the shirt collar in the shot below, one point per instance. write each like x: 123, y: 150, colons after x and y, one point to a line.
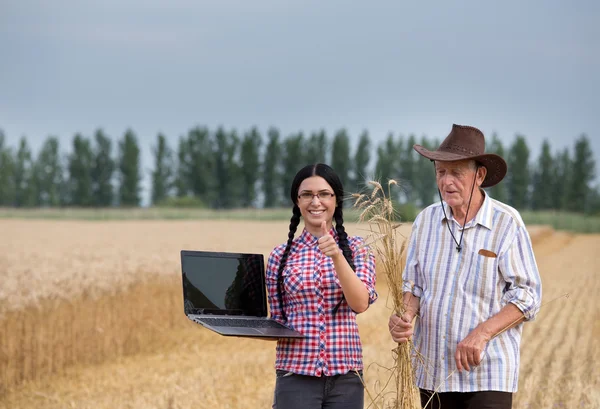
x: 307, y: 238
x: 483, y: 216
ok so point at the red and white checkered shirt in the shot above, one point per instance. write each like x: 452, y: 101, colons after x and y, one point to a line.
x: 310, y: 290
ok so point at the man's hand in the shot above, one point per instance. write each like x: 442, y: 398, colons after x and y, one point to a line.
x: 401, y: 328
x: 327, y: 243
x: 470, y: 350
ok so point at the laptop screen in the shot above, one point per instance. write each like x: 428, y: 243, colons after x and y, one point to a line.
x: 223, y: 283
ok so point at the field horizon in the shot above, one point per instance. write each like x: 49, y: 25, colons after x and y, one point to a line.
x: 559, y: 220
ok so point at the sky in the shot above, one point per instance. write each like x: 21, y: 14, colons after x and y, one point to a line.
x: 508, y: 67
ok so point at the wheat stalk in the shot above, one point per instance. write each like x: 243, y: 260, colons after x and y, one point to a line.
x: 377, y: 210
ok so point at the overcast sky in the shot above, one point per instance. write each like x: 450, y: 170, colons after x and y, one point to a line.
x: 385, y: 66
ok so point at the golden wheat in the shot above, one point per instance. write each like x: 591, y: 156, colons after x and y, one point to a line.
x: 132, y: 347
x: 383, y: 221
x: 77, y: 293
x: 84, y: 292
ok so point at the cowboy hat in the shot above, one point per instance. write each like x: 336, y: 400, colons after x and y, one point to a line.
x: 467, y: 142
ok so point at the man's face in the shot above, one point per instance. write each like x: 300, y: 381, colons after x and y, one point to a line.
x: 455, y: 180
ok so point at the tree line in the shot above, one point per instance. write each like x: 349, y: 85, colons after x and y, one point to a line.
x: 223, y: 169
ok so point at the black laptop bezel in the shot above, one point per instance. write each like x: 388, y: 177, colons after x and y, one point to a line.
x: 222, y: 254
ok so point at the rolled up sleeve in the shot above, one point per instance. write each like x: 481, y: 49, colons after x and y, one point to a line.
x: 520, y: 272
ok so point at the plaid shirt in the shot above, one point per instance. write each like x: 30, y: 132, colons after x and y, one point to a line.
x: 310, y: 290
x: 457, y: 291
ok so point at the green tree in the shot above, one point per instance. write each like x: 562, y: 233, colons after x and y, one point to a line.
x: 103, y: 168
x: 162, y: 175
x: 182, y: 182
x: 129, y: 170
x: 33, y: 196
x: 80, y: 172
x: 199, y: 164
x: 226, y: 170
x: 250, y: 166
x: 541, y: 197
x: 408, y: 168
x: 24, y: 171
x: 271, y: 170
x: 7, y: 176
x: 340, y: 157
x: 518, y: 173
x: 387, y: 165
x: 595, y: 201
x: 498, y: 191
x: 561, y: 176
x: 317, y: 146
x: 362, y: 157
x: 387, y: 159
x: 425, y: 186
x: 51, y: 174
x: 584, y: 172
x: 293, y: 161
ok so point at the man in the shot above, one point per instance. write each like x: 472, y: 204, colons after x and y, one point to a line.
x: 470, y: 280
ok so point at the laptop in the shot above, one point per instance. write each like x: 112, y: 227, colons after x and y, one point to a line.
x: 226, y: 293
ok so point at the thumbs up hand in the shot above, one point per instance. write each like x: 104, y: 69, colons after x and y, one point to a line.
x: 324, y: 231
x: 327, y: 243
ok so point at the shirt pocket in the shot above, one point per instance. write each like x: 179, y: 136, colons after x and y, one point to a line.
x: 483, y: 276
x: 293, y: 282
x: 487, y: 259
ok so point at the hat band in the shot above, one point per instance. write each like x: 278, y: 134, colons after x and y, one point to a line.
x: 457, y: 148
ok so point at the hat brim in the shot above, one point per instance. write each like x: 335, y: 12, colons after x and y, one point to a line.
x: 495, y: 165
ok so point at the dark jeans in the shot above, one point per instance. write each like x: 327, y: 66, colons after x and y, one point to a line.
x: 467, y: 400
x: 311, y: 392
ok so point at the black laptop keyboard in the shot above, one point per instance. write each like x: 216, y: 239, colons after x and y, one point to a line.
x: 236, y: 322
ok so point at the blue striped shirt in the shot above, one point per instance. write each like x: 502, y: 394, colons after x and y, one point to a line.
x: 459, y: 290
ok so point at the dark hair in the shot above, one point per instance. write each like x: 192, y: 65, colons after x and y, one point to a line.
x: 327, y: 173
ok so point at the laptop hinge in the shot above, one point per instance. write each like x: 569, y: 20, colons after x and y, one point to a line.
x: 209, y: 311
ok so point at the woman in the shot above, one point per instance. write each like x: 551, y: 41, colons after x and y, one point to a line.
x: 317, y: 283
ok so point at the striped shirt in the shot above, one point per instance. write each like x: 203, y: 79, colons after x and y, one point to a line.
x: 310, y: 291
x: 458, y: 291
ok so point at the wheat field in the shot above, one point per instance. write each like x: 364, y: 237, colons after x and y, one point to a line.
x: 91, y: 316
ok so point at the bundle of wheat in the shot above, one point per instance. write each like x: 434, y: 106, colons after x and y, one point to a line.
x: 377, y: 210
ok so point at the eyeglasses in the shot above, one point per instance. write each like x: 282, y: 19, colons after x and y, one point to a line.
x: 308, y: 196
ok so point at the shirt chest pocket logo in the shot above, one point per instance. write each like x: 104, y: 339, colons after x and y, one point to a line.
x: 487, y: 253
x: 292, y: 280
